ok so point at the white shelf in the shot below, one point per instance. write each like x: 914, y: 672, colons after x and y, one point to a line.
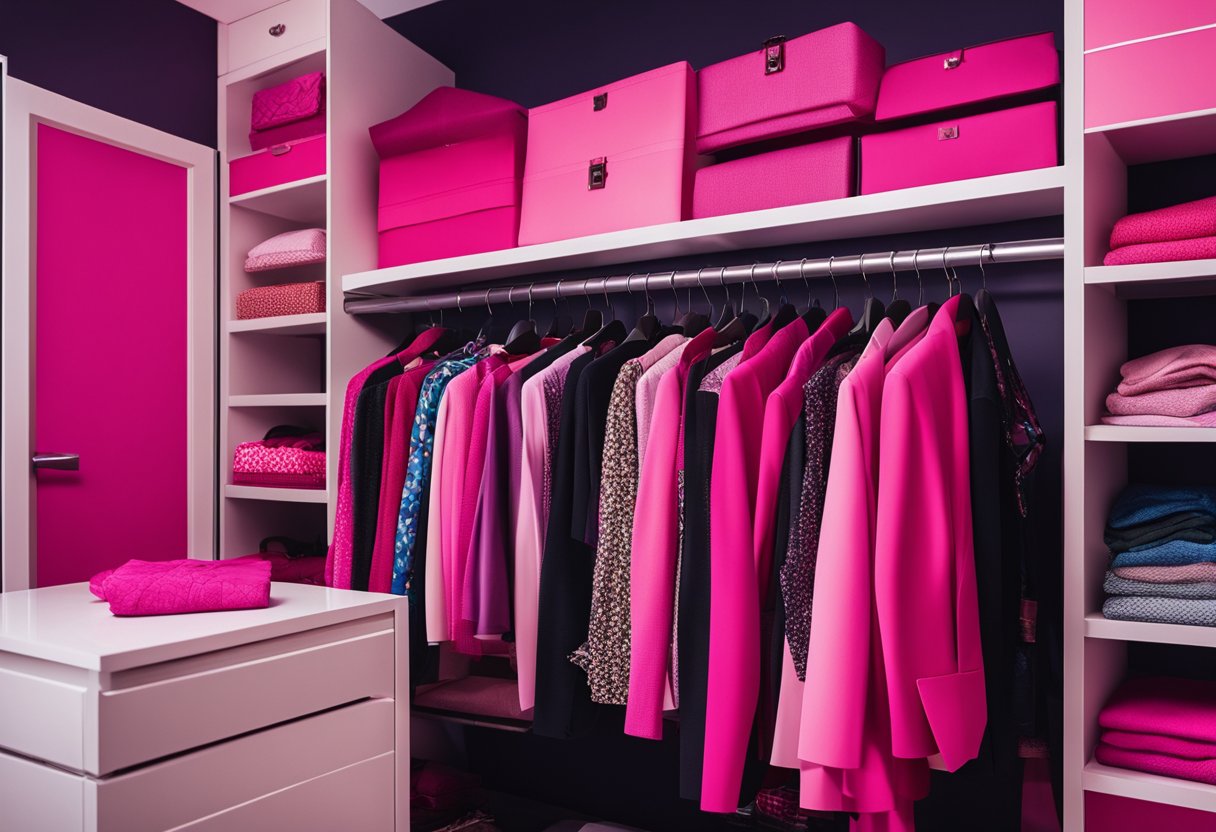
x: 1176, y: 136
x: 302, y: 201
x: 1156, y: 280
x: 1010, y: 196
x: 281, y: 495
x: 280, y: 400
x: 1152, y: 787
x: 1135, y: 433
x: 311, y: 324
x: 1098, y: 626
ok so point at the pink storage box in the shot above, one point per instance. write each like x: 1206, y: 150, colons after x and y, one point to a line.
x: 817, y: 80
x: 991, y: 71
x: 795, y: 175
x: 1118, y: 21
x: 460, y: 194
x: 255, y: 463
x: 288, y: 112
x: 277, y: 165
x: 281, y: 299
x: 1151, y: 78
x: 1004, y: 141
x: 616, y: 157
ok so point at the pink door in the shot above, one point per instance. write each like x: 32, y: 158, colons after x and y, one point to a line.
x: 111, y: 361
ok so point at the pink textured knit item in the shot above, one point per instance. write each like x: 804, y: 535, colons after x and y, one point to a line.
x: 1203, y: 771
x: 1174, y: 707
x: 141, y: 587
x: 1190, y: 573
x: 1153, y: 420
x: 1195, y: 248
x: 1177, y: 222
x: 1160, y: 744
x: 1182, y: 402
x: 1190, y: 365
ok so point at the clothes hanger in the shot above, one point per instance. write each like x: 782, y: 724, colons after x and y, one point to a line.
x: 611, y: 333
x: 728, y: 308
x: 815, y: 315
x: 562, y: 323
x: 648, y: 325
x: 487, y: 328
x: 593, y: 319
x: 786, y: 312
x: 738, y: 327
x: 690, y: 323
x: 764, y: 316
x: 522, y: 339
x: 932, y: 306
x: 872, y: 310
x: 899, y: 308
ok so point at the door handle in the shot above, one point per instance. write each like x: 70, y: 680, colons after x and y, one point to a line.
x: 58, y: 462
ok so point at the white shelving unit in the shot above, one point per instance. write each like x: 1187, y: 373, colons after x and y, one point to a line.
x: 280, y: 495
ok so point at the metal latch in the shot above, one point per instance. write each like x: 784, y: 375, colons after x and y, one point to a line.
x: 277, y: 30
x: 599, y: 102
x: 945, y: 133
x: 952, y: 62
x: 597, y: 173
x: 280, y: 149
x: 774, y: 54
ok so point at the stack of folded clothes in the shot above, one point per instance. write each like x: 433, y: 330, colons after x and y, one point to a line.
x: 1163, y: 547
x: 1161, y: 725
x: 1179, y: 232
x: 1173, y: 387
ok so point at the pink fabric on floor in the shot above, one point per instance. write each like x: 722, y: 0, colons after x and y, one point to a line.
x: 1191, y: 365
x: 1190, y: 573
x: 1160, y: 744
x: 1182, y: 402
x: 1204, y: 420
x: 1198, y: 248
x: 1163, y: 705
x: 141, y: 587
x: 1177, y: 222
x: 1203, y: 771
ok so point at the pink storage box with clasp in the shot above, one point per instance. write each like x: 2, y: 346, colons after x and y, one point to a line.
x: 615, y: 157
x: 1004, y: 141
x: 988, y: 72
x: 817, y: 80
x: 792, y: 176
x: 278, y: 165
x: 451, y: 170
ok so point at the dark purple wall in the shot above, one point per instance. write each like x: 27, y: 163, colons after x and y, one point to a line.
x: 152, y: 61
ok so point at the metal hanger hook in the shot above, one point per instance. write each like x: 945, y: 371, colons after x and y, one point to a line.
x: 704, y: 291
x: 835, y: 285
x: 607, y: 300
x: 489, y: 308
x: 459, y: 308
x: 920, y: 286
x: 531, y: 286
x: 984, y: 275
x: 946, y: 269
x: 675, y: 297
x: 894, y: 281
x: 861, y: 267
x: 802, y: 274
x: 777, y: 276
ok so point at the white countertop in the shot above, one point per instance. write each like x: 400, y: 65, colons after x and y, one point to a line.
x: 68, y: 625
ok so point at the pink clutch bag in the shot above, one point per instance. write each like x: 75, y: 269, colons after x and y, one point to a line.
x: 168, y: 587
x: 282, y: 299
x: 788, y: 86
x: 288, y: 111
x: 988, y: 72
x: 291, y: 248
x: 286, y: 458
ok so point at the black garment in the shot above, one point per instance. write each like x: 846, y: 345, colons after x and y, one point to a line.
x: 1194, y: 526
x: 700, y: 422
x: 366, y: 462
x: 424, y: 657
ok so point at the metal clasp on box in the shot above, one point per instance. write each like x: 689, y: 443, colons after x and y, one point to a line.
x: 945, y: 133
x: 952, y: 62
x: 774, y: 54
x: 599, y: 102
x: 597, y: 173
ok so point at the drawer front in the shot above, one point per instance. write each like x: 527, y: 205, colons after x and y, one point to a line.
x: 1118, y: 21
x: 38, y: 798
x: 163, y: 709
x: 42, y: 717
x: 253, y: 38
x: 215, y: 779
x: 358, y: 797
x: 1151, y: 78
x: 288, y: 163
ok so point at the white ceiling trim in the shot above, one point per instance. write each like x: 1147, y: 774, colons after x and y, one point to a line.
x: 226, y: 11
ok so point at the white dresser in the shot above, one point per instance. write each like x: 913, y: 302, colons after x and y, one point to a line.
x: 291, y: 717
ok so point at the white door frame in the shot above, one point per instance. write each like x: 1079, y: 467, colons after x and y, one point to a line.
x: 25, y: 107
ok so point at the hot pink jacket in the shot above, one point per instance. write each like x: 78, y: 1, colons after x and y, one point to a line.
x: 924, y: 564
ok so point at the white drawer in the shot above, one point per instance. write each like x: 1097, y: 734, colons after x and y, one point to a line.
x: 220, y: 779
x: 38, y: 798
x: 253, y: 38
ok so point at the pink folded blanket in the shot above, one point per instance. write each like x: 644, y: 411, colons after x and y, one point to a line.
x: 1190, y: 573
x: 1191, y: 365
x: 1181, y: 402
x: 1197, y: 248
x: 1176, y: 222
x: 1156, y: 420
x: 1203, y: 771
x: 1160, y: 744
x: 1184, y: 708
x: 141, y: 587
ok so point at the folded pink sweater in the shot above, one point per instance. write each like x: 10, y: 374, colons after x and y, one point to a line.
x: 1180, y: 402
x: 1191, y: 365
x: 1160, y: 744
x: 1203, y: 420
x: 1190, y: 573
x: 1203, y: 771
x: 1184, y: 708
x: 141, y: 587
x: 1195, y: 248
x: 1176, y: 222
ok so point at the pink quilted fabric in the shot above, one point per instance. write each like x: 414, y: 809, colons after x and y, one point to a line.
x: 294, y: 100
x: 255, y: 463
x: 1197, y: 248
x: 1192, y: 365
x: 141, y: 587
x: 1190, y: 573
x: 1177, y: 222
x: 291, y: 248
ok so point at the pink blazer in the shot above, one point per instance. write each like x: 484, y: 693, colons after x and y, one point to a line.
x: 735, y: 577
x: 652, y: 570
x: 928, y: 613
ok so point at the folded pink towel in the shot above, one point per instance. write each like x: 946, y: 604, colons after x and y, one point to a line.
x: 1191, y: 365
x: 1181, y: 402
x: 1204, y: 420
x: 1203, y: 771
x: 142, y: 587
x: 1196, y: 248
x: 1160, y: 744
x: 1190, y: 573
x: 1177, y: 222
x: 1184, y: 708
